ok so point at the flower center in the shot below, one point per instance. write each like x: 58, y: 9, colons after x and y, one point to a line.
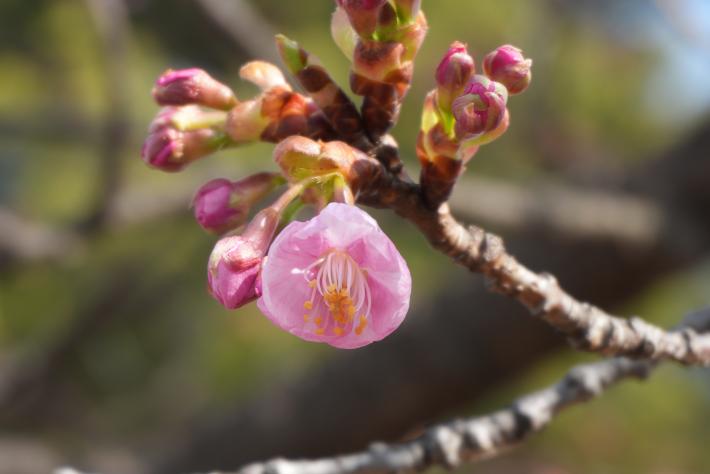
x: 340, y: 295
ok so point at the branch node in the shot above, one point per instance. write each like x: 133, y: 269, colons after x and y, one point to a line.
x: 445, y: 445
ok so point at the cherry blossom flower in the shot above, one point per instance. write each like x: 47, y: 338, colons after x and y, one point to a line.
x: 336, y: 278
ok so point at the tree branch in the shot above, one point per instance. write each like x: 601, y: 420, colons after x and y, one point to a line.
x: 585, y: 326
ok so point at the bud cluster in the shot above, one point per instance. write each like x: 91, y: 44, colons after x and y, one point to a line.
x: 335, y: 278
x: 465, y: 111
x: 202, y: 115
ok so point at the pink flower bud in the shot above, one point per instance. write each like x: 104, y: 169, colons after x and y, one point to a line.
x: 170, y: 148
x: 192, y: 86
x: 508, y: 66
x: 336, y: 278
x: 453, y: 74
x: 481, y: 113
x: 235, y: 262
x: 221, y: 205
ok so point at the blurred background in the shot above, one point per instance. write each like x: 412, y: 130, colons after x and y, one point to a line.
x: 113, y: 357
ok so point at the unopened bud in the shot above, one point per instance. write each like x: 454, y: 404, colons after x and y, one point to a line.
x: 377, y: 60
x: 363, y: 15
x: 264, y: 75
x: 408, y: 10
x: 453, y: 74
x: 221, y: 204
x: 481, y: 113
x: 192, y: 86
x: 433, y: 140
x: 171, y: 148
x: 387, y: 23
x: 235, y: 262
x: 300, y: 158
x: 508, y: 66
x: 343, y: 33
x: 245, y: 122
x: 412, y: 36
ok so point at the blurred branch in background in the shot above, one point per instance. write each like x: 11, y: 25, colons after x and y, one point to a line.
x: 572, y: 213
x: 111, y: 21
x: 28, y: 382
x: 244, y: 25
x: 24, y: 240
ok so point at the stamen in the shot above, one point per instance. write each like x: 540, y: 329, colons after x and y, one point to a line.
x: 342, y: 285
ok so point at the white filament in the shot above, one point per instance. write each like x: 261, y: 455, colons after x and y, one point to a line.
x: 337, y: 270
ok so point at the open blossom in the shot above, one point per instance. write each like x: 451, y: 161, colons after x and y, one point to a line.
x: 236, y: 260
x: 336, y: 278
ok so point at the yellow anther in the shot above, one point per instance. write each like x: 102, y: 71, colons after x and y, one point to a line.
x: 306, y: 318
x: 320, y: 331
x: 318, y: 321
x: 338, y: 331
x: 358, y: 330
x: 351, y: 311
x: 312, y: 283
x: 308, y: 304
